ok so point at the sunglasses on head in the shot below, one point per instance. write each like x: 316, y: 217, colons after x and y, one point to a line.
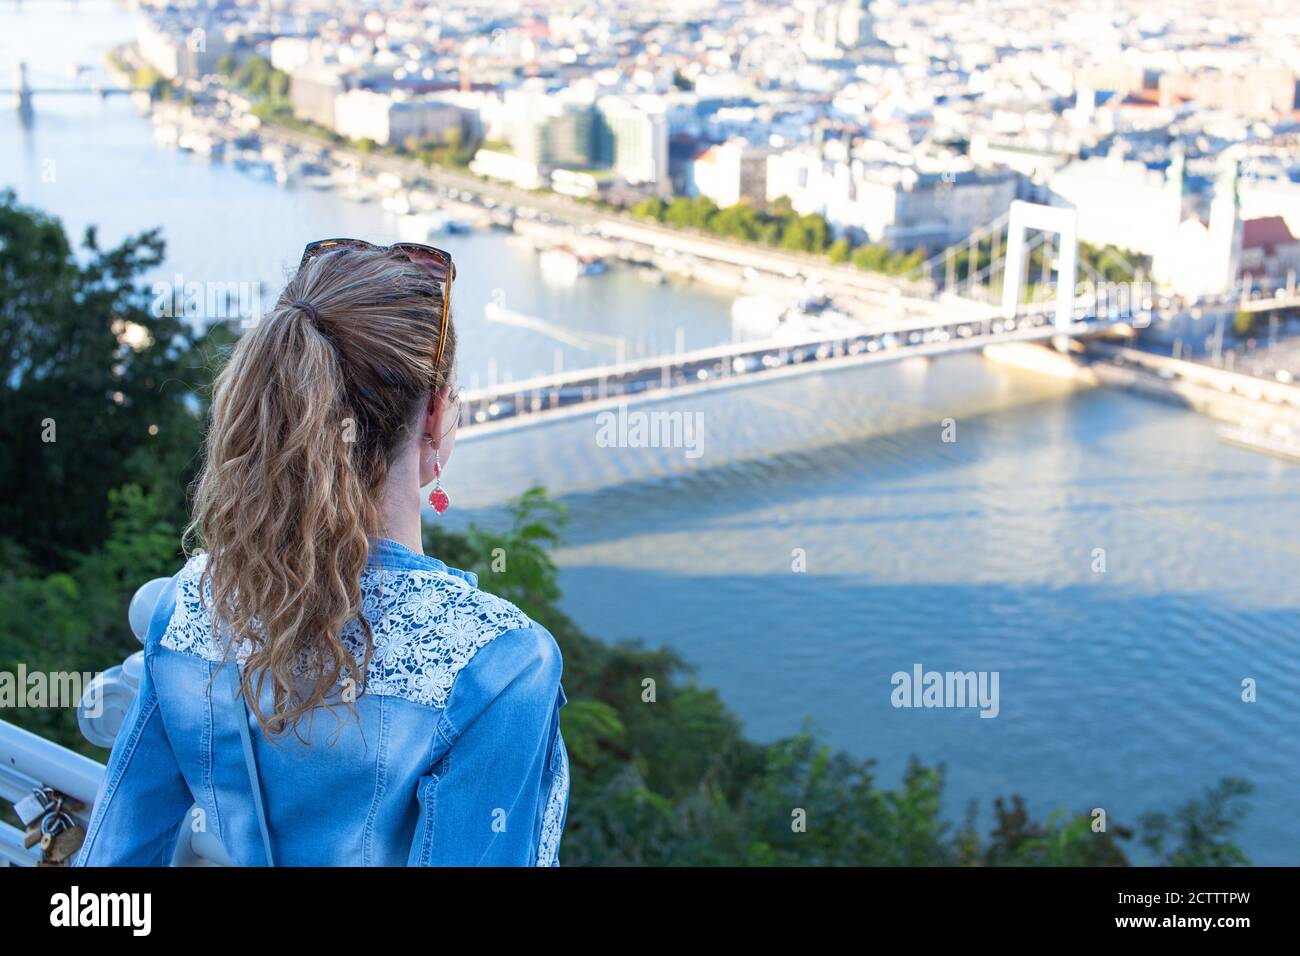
x: 438, y: 261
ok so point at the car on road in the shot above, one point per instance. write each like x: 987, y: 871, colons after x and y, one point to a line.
x: 495, y: 410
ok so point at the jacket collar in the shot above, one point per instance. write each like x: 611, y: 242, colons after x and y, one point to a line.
x: 387, y: 553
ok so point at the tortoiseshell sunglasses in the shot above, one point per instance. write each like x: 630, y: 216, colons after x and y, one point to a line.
x: 438, y: 261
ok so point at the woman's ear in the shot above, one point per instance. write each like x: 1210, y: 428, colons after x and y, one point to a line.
x: 442, y: 416
x: 434, y: 412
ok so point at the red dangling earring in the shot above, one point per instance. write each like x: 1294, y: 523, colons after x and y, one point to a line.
x: 438, y: 499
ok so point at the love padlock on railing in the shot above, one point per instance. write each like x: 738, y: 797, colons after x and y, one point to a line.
x: 47, y: 816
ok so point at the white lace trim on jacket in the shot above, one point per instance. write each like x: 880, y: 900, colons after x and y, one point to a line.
x: 553, y: 816
x: 427, y: 626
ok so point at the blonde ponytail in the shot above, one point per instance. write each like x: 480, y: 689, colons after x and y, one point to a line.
x: 307, y: 418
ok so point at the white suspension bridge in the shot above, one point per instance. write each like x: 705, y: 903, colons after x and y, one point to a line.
x: 977, y: 285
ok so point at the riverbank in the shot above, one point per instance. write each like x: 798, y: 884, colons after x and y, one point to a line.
x: 1263, y: 414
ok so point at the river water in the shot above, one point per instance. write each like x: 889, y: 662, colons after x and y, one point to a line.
x: 1119, y: 688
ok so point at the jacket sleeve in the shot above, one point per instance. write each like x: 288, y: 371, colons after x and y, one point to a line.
x: 497, y: 795
x: 143, y: 798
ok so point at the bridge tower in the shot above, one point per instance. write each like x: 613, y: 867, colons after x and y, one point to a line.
x: 22, y: 89
x: 1064, y: 223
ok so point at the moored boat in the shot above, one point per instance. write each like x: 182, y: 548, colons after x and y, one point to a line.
x: 566, y: 263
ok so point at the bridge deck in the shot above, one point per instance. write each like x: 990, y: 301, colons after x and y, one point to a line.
x: 550, y: 398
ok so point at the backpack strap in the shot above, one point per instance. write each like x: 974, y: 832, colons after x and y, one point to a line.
x: 243, y: 718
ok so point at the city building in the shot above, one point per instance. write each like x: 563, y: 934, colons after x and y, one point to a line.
x: 1255, y: 92
x: 181, y: 51
x: 831, y: 29
x: 888, y: 202
x: 504, y: 165
x: 392, y: 118
x: 1270, y: 254
x: 728, y: 173
x: 633, y: 141
x: 899, y: 123
x: 313, y: 90
x: 1121, y: 202
x: 1204, y: 255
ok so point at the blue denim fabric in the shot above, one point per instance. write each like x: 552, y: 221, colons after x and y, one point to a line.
x: 457, y: 758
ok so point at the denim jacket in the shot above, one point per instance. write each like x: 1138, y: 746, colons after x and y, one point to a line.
x: 456, y: 759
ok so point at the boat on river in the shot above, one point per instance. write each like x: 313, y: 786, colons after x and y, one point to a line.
x: 562, y: 262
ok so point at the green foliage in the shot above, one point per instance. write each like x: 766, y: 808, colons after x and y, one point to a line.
x: 805, y: 234
x: 778, y: 225
x: 453, y: 149
x: 75, y: 619
x: 736, y: 222
x: 690, y: 213
x: 589, y: 725
x: 268, y: 87
x: 1112, y: 263
x: 880, y: 258
x: 517, y: 562
x: 1203, y: 828
x: 257, y: 77
x: 44, y: 627
x: 1108, y: 263
x: 158, y: 86
x: 101, y: 400
x: 1062, y: 841
x: 95, y: 389
x: 650, y: 209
